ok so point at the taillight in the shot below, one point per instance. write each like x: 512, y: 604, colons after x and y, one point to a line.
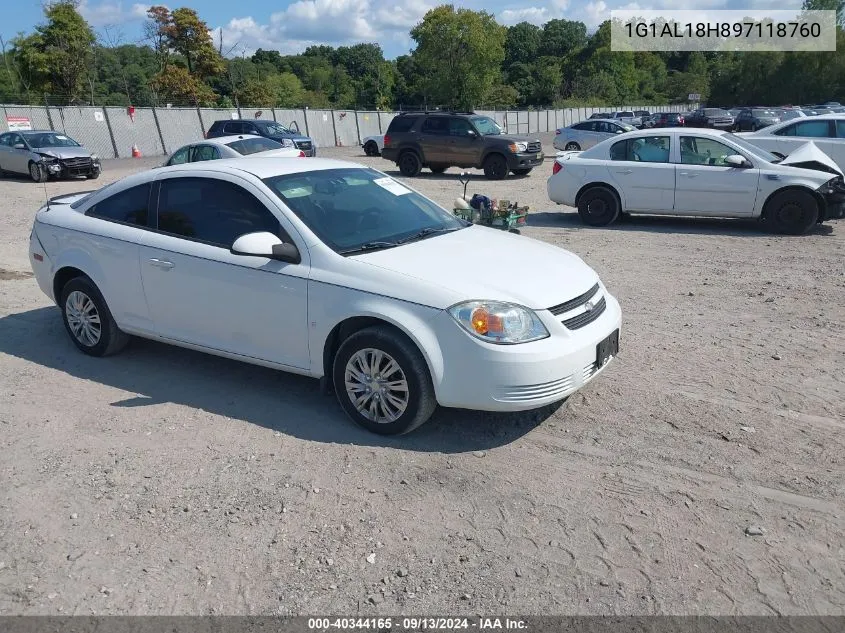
x: 681, y: 120
x: 556, y: 167
x: 386, y: 140
x: 301, y: 154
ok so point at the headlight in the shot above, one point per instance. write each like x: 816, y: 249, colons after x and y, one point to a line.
x: 518, y: 147
x: 499, y: 322
x: 286, y: 142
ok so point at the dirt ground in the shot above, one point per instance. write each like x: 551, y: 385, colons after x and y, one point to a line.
x: 164, y: 481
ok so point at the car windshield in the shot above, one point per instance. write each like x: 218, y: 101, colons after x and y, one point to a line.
x: 249, y: 146
x: 355, y: 210
x: 486, y: 126
x: 50, y: 139
x: 273, y: 129
x: 764, y: 113
x: 753, y: 149
x: 716, y: 112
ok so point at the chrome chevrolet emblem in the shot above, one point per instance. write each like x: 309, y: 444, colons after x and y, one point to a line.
x: 588, y: 307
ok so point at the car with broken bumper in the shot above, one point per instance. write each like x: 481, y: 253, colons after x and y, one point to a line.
x: 46, y: 154
x: 331, y: 270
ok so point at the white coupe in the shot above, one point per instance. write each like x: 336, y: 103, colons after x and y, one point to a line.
x: 332, y: 270
x: 698, y: 172
x: 232, y: 147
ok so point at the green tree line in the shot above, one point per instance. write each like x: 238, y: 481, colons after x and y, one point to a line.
x: 461, y: 58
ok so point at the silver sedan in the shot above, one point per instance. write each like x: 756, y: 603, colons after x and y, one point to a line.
x: 232, y: 147
x: 46, y: 154
x: 585, y: 134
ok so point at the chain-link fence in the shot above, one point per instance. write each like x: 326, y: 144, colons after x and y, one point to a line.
x: 113, y: 132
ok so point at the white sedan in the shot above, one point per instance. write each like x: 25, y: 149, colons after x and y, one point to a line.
x: 698, y: 172
x: 232, y: 147
x: 373, y: 145
x: 827, y: 132
x: 585, y: 134
x: 332, y: 270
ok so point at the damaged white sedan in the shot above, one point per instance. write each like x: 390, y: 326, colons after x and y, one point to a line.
x: 697, y: 172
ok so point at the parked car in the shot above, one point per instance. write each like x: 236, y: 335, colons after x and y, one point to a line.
x: 710, y: 117
x: 331, y: 270
x: 585, y: 134
x: 46, y: 154
x: 754, y: 119
x: 270, y: 129
x: 601, y: 115
x: 698, y: 173
x: 787, y: 114
x: 734, y: 112
x: 826, y: 131
x: 642, y: 115
x: 373, y: 145
x: 627, y: 116
x: 668, y: 119
x: 439, y: 140
x: 232, y: 147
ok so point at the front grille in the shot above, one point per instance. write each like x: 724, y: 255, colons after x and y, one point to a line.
x: 574, y: 303
x: 303, y: 145
x: 527, y: 393
x: 534, y: 147
x: 585, y: 318
x: 77, y: 163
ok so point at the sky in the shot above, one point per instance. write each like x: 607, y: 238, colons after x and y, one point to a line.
x: 291, y: 25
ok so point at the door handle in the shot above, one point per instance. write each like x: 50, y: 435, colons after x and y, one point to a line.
x: 624, y: 171
x: 688, y: 174
x: 161, y: 263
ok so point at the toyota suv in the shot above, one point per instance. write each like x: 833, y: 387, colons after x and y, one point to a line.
x: 439, y: 140
x: 268, y: 129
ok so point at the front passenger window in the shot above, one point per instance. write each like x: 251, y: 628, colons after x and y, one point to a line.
x: 699, y: 150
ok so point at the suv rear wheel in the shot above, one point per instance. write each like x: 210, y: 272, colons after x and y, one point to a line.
x: 438, y: 169
x: 496, y: 167
x: 409, y: 164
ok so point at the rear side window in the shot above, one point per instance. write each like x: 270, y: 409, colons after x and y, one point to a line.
x: 583, y: 126
x: 127, y: 207
x: 812, y: 129
x: 840, y: 129
x: 204, y: 152
x: 650, y: 149
x: 212, y: 211
x: 181, y: 156
x: 436, y: 125
x: 401, y: 124
x: 254, y: 145
x: 216, y: 126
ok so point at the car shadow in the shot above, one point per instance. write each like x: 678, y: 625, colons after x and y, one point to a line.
x: 294, y: 405
x: 736, y: 227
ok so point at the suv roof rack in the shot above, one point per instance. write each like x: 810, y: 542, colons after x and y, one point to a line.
x: 434, y: 111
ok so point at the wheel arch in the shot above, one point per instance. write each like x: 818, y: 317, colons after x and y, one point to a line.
x: 606, y: 185
x: 407, y: 147
x: 821, y: 204
x: 73, y: 263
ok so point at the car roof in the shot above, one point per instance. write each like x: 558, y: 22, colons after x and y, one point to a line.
x: 615, y: 121
x: 262, y: 167
x: 223, y: 140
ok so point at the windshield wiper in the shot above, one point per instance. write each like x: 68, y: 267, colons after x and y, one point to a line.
x: 369, y: 246
x: 428, y: 232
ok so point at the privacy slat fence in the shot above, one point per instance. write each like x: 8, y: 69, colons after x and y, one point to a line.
x: 112, y: 131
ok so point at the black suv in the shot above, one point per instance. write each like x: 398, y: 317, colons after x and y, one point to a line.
x: 439, y: 140
x: 269, y: 129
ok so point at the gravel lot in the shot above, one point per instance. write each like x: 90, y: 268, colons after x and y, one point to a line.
x: 164, y: 481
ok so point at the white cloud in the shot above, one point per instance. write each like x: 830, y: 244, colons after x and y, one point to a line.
x: 111, y: 12
x: 336, y: 22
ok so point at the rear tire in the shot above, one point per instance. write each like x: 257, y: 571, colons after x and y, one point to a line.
x: 598, y: 206
x: 37, y: 172
x: 522, y: 172
x: 438, y: 169
x: 371, y: 148
x: 403, y: 398
x: 791, y: 212
x: 496, y: 167
x: 409, y: 164
x: 572, y: 147
x: 88, y: 320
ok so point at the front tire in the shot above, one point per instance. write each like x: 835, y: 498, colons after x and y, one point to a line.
x: 382, y: 381
x: 37, y: 172
x: 522, y: 172
x: 88, y: 320
x: 792, y: 212
x: 496, y: 167
x: 371, y: 149
x: 409, y: 164
x: 598, y: 206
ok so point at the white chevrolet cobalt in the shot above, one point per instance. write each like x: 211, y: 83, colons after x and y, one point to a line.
x: 332, y: 270
x: 697, y: 172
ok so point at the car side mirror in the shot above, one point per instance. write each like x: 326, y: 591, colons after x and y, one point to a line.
x: 472, y: 134
x: 20, y: 146
x: 736, y: 160
x: 620, y: 131
x: 265, y: 244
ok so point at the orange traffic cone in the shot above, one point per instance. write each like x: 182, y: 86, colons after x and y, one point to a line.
x: 136, y: 153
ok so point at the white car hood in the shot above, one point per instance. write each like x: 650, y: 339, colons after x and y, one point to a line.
x: 808, y: 154
x: 490, y: 264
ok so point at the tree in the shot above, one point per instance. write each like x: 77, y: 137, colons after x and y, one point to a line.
x: 189, y: 36
x: 287, y: 90
x: 522, y: 43
x: 57, y: 57
x: 827, y: 5
x: 177, y: 85
x: 560, y: 37
x: 459, y: 53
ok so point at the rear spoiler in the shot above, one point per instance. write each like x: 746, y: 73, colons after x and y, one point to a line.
x: 70, y: 195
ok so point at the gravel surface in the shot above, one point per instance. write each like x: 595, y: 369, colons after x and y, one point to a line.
x: 702, y: 473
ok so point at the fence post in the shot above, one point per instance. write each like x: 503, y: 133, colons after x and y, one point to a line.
x: 160, y: 135
x: 47, y: 108
x: 199, y: 116
x: 357, y: 127
x: 334, y: 128
x: 111, y: 133
x: 305, y: 116
x: 273, y: 110
x: 378, y: 118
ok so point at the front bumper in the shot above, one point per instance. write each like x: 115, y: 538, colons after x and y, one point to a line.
x: 71, y: 169
x: 487, y: 377
x: 525, y: 160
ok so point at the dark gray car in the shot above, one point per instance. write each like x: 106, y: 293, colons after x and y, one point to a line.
x: 44, y: 153
x: 753, y: 119
x: 270, y: 129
